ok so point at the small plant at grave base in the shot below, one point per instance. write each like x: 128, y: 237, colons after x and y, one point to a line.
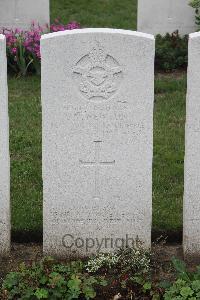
x: 50, y: 280
x: 187, y: 285
x: 171, y: 52
x: 127, y: 271
x: 102, y: 260
x: 196, y: 5
x: 128, y: 259
x: 23, y: 47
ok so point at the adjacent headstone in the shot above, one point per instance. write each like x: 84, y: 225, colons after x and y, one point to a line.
x: 21, y: 13
x: 162, y: 16
x: 4, y: 155
x: 97, y: 102
x: 191, y: 224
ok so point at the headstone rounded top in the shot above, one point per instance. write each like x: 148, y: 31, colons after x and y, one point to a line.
x: 194, y: 35
x: 98, y: 30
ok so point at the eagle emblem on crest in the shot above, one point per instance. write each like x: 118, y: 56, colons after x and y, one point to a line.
x: 97, y: 74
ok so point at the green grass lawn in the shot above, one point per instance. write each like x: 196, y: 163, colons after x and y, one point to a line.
x: 169, y: 130
x: 25, y: 147
x: 25, y: 127
x: 97, y: 13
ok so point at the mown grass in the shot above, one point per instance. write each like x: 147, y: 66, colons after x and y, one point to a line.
x: 169, y: 123
x: 97, y: 13
x: 25, y: 147
x: 25, y: 144
x: 25, y: 127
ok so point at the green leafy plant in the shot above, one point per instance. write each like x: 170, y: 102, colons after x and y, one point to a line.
x: 187, y: 285
x: 126, y: 273
x: 196, y: 5
x: 50, y: 280
x: 171, y: 52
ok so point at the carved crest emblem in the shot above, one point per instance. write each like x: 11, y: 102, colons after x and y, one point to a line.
x: 98, y: 75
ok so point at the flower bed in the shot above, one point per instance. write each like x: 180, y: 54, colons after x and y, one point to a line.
x: 127, y: 274
x: 23, y: 47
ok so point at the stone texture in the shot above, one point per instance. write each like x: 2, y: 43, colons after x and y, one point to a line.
x: 4, y: 155
x: 21, y: 13
x: 97, y: 102
x: 161, y: 16
x: 191, y: 222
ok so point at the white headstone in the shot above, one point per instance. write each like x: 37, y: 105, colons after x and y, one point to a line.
x: 4, y: 154
x: 97, y: 101
x: 192, y: 152
x: 162, y: 16
x: 21, y: 13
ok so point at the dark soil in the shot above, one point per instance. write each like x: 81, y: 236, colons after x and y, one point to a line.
x: 27, y: 253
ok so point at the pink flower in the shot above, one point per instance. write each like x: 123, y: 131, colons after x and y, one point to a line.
x: 14, y: 51
x: 73, y: 25
x: 25, y: 44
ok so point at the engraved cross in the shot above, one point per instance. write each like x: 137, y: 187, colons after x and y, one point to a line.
x: 97, y: 163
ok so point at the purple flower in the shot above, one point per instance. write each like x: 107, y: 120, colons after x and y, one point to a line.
x: 73, y: 25
x: 14, y: 51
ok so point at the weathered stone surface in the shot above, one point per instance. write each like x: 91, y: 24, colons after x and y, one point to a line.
x: 4, y: 155
x: 162, y: 16
x: 97, y: 102
x: 21, y: 13
x: 191, y: 222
